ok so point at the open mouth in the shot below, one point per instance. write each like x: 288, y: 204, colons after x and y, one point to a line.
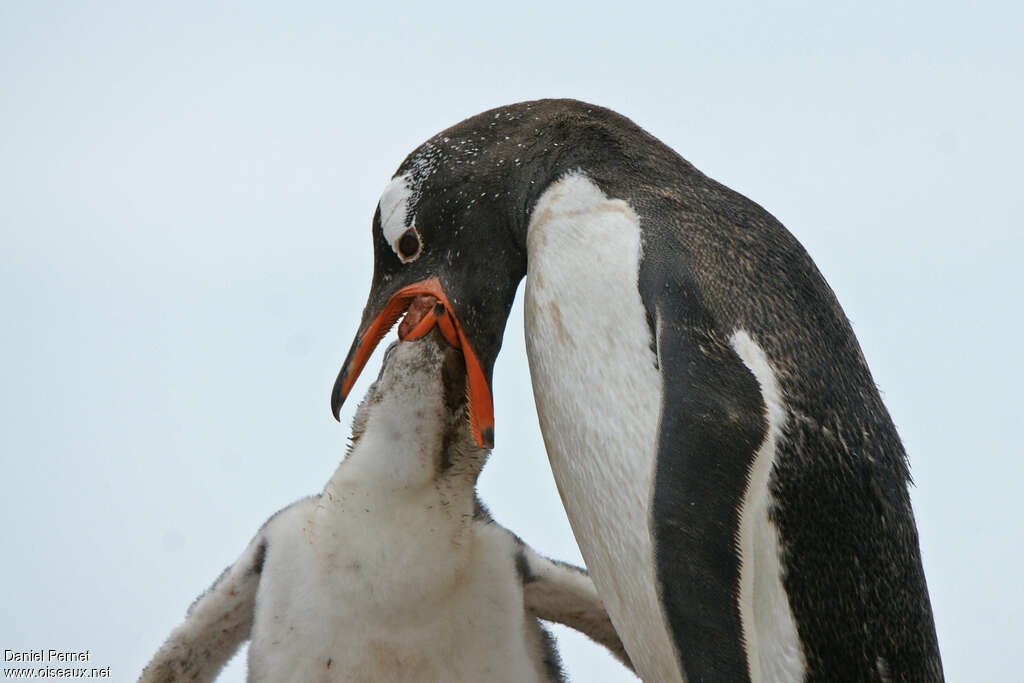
x: 425, y: 306
x: 423, y: 314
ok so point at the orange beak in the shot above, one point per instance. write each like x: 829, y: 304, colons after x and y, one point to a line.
x: 478, y: 393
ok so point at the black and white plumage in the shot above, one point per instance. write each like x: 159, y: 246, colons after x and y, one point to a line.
x: 395, y: 572
x: 734, y: 481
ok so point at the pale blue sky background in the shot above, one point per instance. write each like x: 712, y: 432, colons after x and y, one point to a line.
x: 185, y: 195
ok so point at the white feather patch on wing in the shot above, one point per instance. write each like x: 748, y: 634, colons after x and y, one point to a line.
x: 773, y: 645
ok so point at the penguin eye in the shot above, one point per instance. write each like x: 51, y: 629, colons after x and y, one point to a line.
x: 409, y: 245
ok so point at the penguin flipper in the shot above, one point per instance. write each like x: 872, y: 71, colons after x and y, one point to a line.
x: 712, y: 423
x: 216, y: 624
x: 564, y: 593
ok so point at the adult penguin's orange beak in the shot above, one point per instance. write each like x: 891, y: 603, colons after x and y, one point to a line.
x: 426, y: 305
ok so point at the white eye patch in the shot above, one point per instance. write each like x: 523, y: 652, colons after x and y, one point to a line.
x: 394, y: 209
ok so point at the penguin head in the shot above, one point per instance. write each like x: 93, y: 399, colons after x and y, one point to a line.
x: 447, y: 229
x: 415, y: 417
x: 452, y: 225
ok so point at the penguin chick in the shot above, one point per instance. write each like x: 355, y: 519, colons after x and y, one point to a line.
x: 395, y: 572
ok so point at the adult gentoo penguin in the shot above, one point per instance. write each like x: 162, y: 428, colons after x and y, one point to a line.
x: 395, y: 572
x: 736, y: 485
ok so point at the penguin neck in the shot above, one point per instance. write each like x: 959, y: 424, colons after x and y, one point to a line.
x: 537, y: 176
x: 399, y: 478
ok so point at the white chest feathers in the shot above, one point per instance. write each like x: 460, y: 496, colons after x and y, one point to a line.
x: 355, y: 591
x: 598, y: 400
